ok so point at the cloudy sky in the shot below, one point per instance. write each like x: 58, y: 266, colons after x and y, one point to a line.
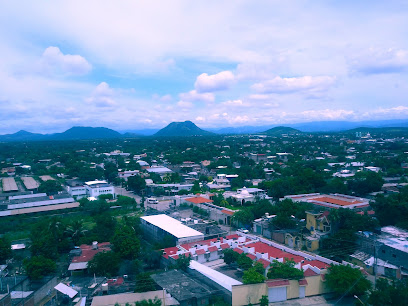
x: 143, y: 64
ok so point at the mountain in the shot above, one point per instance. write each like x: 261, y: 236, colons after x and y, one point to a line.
x: 142, y: 132
x: 22, y: 136
x: 82, y: 132
x: 280, y: 130
x: 387, y: 130
x: 186, y: 128
x: 74, y: 133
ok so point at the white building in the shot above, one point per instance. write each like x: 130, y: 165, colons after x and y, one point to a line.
x: 158, y: 227
x: 97, y: 188
x: 127, y: 173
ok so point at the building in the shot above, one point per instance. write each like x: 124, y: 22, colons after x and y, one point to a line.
x: 76, y: 188
x: 96, y: 188
x: 127, y: 173
x: 319, y: 226
x: 186, y: 290
x: 330, y: 200
x: 84, y: 254
x: 390, y: 246
x: 160, y: 227
x: 130, y: 298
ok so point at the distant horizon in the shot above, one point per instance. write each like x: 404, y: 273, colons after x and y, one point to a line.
x: 122, y: 131
x: 220, y: 64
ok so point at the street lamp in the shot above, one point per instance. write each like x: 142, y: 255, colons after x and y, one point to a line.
x: 355, y: 296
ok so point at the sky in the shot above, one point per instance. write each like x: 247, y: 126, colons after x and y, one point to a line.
x: 143, y: 64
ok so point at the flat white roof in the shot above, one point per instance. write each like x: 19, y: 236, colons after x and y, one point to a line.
x: 172, y: 226
x: 95, y: 182
x: 218, y: 277
x: 66, y: 290
x: 78, y: 266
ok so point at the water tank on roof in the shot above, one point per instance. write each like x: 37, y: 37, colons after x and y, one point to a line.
x: 95, y: 245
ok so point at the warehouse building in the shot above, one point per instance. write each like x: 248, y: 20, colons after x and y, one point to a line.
x: 160, y: 227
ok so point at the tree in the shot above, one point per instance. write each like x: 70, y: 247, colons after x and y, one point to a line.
x: 136, y: 183
x: 125, y: 242
x: 243, y: 217
x: 284, y: 270
x: 50, y: 187
x: 38, y: 266
x: 5, y: 250
x: 105, y: 227
x: 126, y: 201
x: 344, y: 279
x: 144, y: 283
x: 244, y: 262
x: 196, y: 187
x: 230, y: 256
x: 75, y: 231
x: 365, y: 182
x: 264, y: 301
x: 149, y: 302
x: 182, y: 263
x: 252, y: 276
x: 387, y: 292
x: 105, y: 264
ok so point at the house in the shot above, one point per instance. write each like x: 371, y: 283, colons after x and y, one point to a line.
x: 85, y: 254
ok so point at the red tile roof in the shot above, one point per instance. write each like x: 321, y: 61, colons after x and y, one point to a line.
x: 190, y: 245
x: 212, y: 249
x: 170, y: 251
x: 252, y: 256
x: 277, y: 283
x: 336, y: 201
x: 261, y: 247
x: 228, y: 212
x: 199, y: 200
x: 302, y: 282
x: 224, y: 246
x: 316, y: 263
x: 239, y: 251
x: 200, y: 252
x: 264, y: 262
x: 234, y: 236
x: 309, y: 272
x: 88, y: 253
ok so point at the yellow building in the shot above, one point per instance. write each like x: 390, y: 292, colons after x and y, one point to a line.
x: 319, y: 226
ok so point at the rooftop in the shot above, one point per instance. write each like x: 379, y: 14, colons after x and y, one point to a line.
x: 172, y: 226
x: 181, y: 286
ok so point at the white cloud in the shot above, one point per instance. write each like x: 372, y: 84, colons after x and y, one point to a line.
x: 194, y: 96
x: 53, y: 60
x: 305, y: 84
x: 233, y: 103
x: 102, y: 96
x: 379, y: 61
x: 185, y: 104
x: 327, y: 114
x: 215, y: 82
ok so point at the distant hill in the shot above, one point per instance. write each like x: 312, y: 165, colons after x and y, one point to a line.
x: 82, y: 132
x: 372, y: 130
x: 22, y: 136
x: 74, y: 133
x: 186, y: 128
x: 280, y: 130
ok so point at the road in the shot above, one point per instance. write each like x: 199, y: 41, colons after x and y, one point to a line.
x: 124, y: 192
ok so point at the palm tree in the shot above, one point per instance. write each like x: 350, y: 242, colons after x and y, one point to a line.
x: 75, y: 231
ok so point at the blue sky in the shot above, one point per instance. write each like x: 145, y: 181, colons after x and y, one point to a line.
x: 143, y: 64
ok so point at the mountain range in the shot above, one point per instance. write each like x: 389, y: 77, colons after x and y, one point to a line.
x: 188, y: 128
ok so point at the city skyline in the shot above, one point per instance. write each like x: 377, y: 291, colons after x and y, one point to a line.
x: 141, y: 65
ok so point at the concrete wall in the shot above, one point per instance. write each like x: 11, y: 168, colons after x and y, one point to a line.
x: 245, y: 294
x: 43, y: 291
